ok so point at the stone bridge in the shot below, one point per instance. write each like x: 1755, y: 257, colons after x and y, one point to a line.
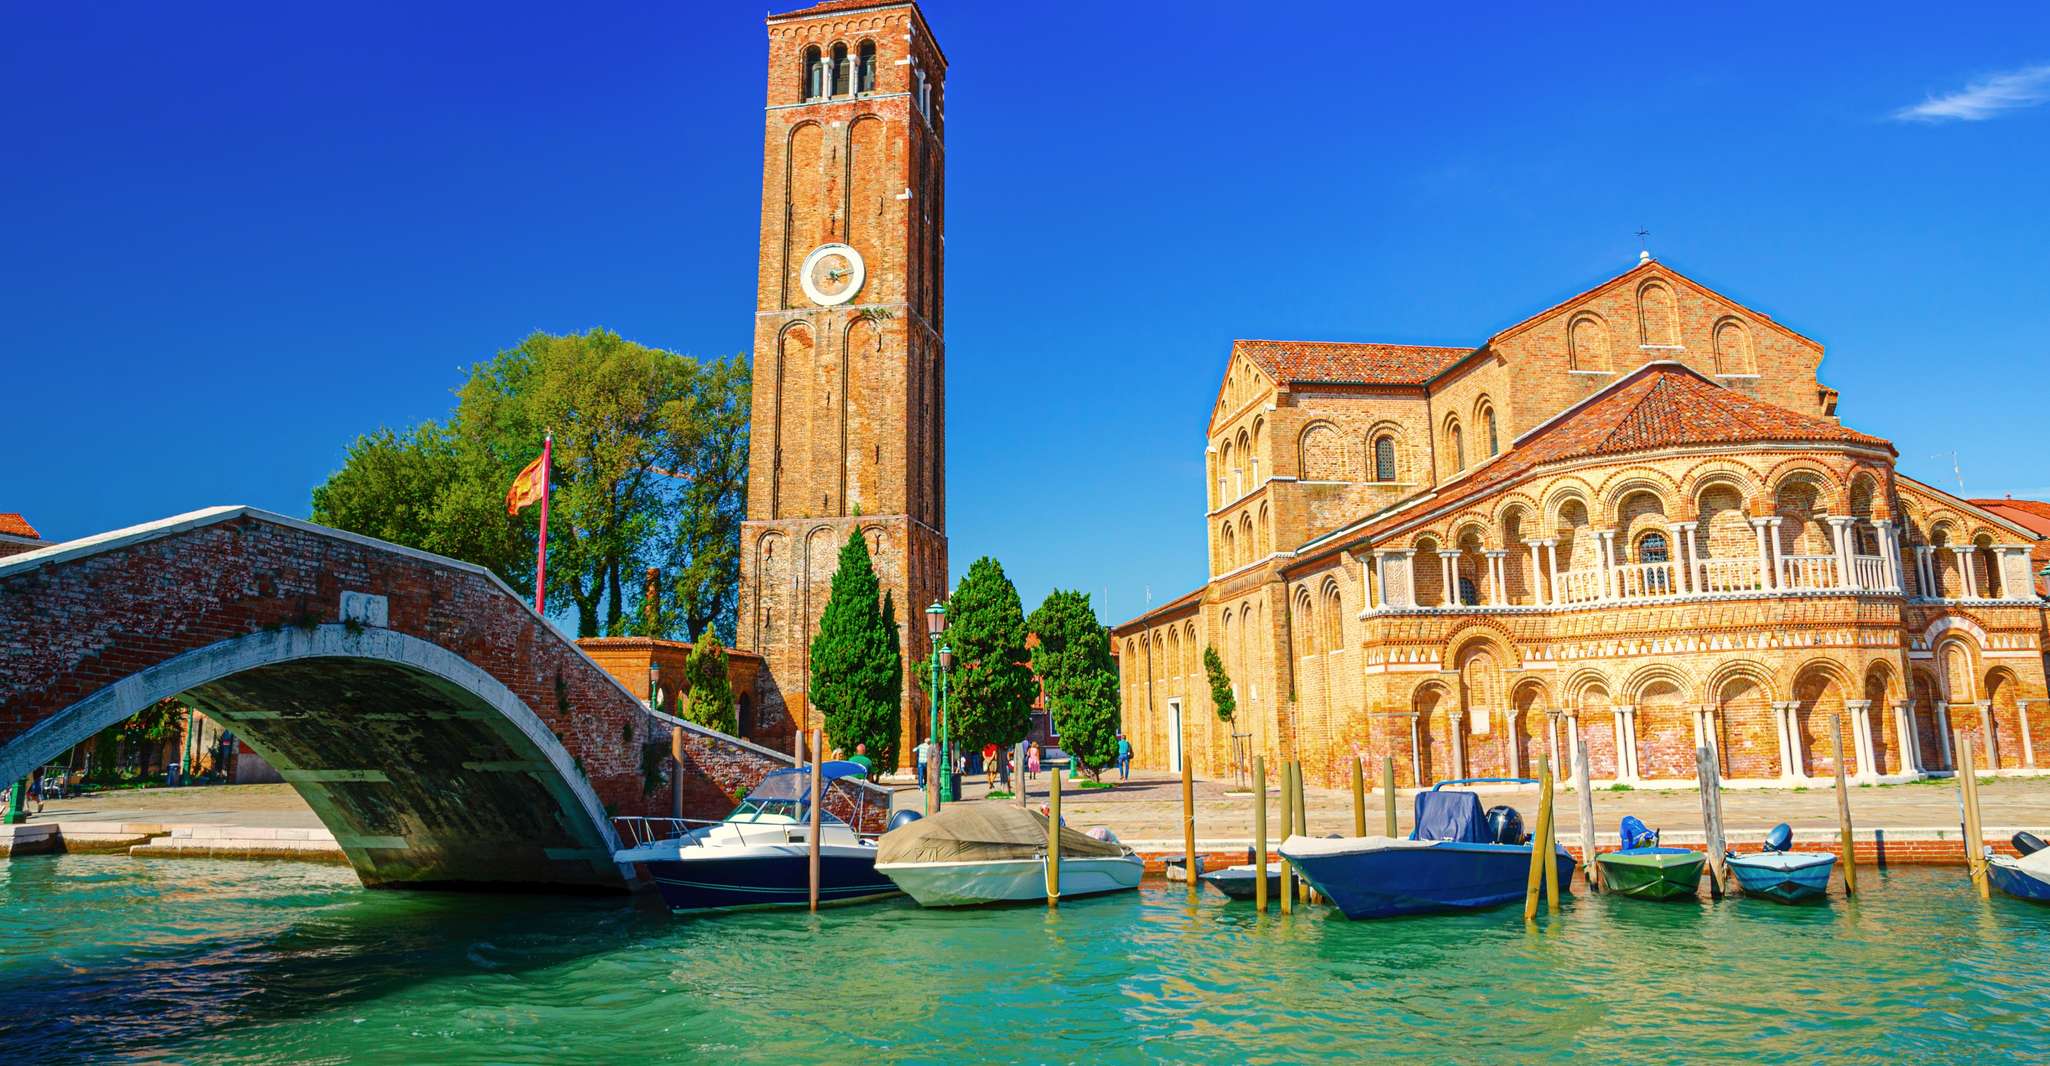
x: 445, y: 732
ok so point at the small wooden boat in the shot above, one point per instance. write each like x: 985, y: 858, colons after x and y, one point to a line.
x: 1456, y: 859
x: 1779, y: 874
x: 2027, y: 877
x: 976, y: 853
x: 1242, y: 882
x: 1644, y: 870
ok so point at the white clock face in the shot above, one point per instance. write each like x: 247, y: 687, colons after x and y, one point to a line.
x: 832, y: 274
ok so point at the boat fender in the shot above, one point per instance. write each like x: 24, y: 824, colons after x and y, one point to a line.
x: 1779, y: 837
x: 1505, y: 825
x: 903, y: 818
x: 2027, y: 843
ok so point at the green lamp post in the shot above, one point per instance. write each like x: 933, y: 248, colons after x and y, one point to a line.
x: 947, y: 785
x: 936, y: 624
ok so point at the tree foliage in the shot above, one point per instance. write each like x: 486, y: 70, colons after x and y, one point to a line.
x: 708, y: 698
x: 650, y: 467
x: 1074, y: 664
x: 990, y: 691
x: 857, y: 670
x: 1221, y: 696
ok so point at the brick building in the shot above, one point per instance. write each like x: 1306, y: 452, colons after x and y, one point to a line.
x: 849, y: 352
x: 17, y: 536
x: 1631, y: 523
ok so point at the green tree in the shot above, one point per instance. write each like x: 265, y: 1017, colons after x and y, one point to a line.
x: 649, y: 470
x: 1074, y: 665
x: 857, y: 672
x: 708, y: 700
x: 1221, y: 696
x: 990, y: 691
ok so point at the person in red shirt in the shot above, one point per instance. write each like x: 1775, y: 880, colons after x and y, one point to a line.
x: 989, y: 765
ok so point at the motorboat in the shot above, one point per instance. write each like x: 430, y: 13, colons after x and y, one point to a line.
x: 1783, y: 875
x: 1457, y: 858
x: 974, y: 853
x: 1243, y: 882
x: 760, y: 855
x: 2027, y: 877
x: 1644, y: 870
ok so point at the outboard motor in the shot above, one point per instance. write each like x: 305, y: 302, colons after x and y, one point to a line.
x: 1636, y: 835
x: 1779, y: 838
x: 1505, y: 826
x: 2027, y: 843
x: 903, y: 818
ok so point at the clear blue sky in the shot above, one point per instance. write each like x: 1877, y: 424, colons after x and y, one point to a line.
x: 237, y: 235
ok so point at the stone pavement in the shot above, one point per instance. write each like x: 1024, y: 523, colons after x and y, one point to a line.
x: 275, y: 806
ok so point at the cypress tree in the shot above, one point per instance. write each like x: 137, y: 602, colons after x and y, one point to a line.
x: 1221, y: 696
x: 708, y: 699
x: 857, y: 675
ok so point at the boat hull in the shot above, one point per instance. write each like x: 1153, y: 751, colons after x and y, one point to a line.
x: 2009, y: 877
x: 1382, y: 877
x: 767, y: 876
x: 1240, y: 882
x: 970, y: 884
x: 1788, y: 877
x: 1646, y: 873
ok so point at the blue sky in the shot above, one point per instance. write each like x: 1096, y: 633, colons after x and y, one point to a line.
x: 237, y: 235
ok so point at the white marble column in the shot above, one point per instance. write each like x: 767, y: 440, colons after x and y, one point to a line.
x: 1791, y: 762
x: 1909, y: 758
x: 1416, y: 760
x: 1861, y: 737
x: 1626, y: 743
x: 1765, y: 577
x: 1512, y: 752
x: 1448, y: 561
x: 1498, y: 576
x: 1943, y: 734
x: 1925, y: 585
x: 1683, y: 557
x: 2028, y: 742
x: 1968, y: 583
x: 1537, y: 572
x: 1605, y: 540
x: 1986, y: 735
x: 1552, y: 568
x: 1453, y: 722
x: 1552, y: 740
x: 1772, y: 538
x: 1840, y: 534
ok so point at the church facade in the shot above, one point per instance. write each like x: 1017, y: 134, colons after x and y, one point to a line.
x: 848, y: 424
x: 1630, y: 525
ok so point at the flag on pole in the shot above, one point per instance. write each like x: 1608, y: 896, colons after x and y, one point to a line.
x: 529, y: 488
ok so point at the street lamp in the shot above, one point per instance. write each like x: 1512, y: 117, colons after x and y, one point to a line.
x: 935, y: 624
x: 949, y: 791
x: 654, y: 685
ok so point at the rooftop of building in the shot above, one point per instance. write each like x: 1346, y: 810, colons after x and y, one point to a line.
x: 1346, y: 363
x: 14, y: 525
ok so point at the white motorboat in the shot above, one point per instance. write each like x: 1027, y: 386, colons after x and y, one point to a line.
x: 976, y: 853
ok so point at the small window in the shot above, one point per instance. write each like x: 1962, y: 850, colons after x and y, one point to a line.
x: 865, y: 75
x: 843, y: 72
x: 1384, y: 459
x: 1494, y: 445
x: 1458, y: 449
x: 814, y: 74
x: 1652, y: 549
x: 1469, y: 595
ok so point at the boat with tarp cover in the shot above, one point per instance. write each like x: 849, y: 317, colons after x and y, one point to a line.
x: 1457, y: 858
x: 973, y: 853
x: 759, y: 855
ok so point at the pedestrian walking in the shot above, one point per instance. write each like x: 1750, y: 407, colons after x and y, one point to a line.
x: 1032, y: 762
x: 868, y: 766
x: 923, y: 754
x: 1124, y: 758
x: 1004, y: 769
x: 989, y: 765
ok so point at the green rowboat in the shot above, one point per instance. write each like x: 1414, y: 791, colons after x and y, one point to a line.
x: 1652, y: 873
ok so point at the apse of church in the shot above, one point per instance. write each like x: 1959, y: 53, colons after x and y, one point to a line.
x: 848, y: 429
x: 1629, y: 526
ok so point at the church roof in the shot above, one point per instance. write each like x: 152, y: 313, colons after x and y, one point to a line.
x: 1659, y: 405
x: 829, y: 7
x: 1342, y: 363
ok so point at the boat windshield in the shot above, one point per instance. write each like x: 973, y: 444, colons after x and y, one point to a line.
x: 782, y: 796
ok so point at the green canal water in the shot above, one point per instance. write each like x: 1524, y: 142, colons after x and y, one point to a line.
x: 105, y: 957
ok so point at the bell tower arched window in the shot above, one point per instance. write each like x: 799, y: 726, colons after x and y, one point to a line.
x: 814, y: 73
x: 865, y: 74
x: 843, y: 73
x: 1494, y: 441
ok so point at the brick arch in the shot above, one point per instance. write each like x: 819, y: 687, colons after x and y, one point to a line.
x: 1562, y: 491
x: 1830, y: 486
x: 1734, y: 352
x: 1751, y: 670
x: 1719, y: 472
x: 1589, y: 342
x: 1511, y: 503
x: 1398, y: 436
x: 1658, y: 313
x: 1656, y: 674
x: 1820, y: 687
x: 1626, y: 482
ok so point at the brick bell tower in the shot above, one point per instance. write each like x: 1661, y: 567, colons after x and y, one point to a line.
x: 849, y: 357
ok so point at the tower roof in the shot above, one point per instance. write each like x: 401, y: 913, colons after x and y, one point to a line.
x: 836, y: 7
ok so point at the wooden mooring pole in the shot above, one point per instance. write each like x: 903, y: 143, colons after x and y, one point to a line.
x: 676, y: 784
x: 1588, y: 867
x: 1710, y: 783
x: 1302, y: 829
x: 1287, y: 827
x: 1260, y: 833
x: 1053, y: 841
x: 1359, y: 796
x: 1388, y: 794
x: 1968, y: 801
x: 817, y: 802
x: 1533, y: 884
x: 1189, y: 864
x: 1843, y: 806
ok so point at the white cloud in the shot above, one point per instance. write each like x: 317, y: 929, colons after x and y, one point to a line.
x: 1985, y: 98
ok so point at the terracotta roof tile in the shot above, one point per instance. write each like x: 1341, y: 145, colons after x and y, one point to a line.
x: 1289, y: 362
x: 1660, y: 405
x: 828, y: 7
x: 16, y: 526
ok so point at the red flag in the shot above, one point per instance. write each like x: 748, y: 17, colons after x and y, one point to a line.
x: 529, y: 487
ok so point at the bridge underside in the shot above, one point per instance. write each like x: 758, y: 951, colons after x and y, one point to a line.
x: 423, y: 783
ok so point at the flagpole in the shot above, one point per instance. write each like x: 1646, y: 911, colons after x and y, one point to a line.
x: 541, y: 556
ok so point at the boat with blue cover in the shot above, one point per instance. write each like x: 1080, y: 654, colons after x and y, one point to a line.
x: 1786, y: 876
x: 2027, y: 877
x: 1457, y: 858
x: 760, y: 855
x: 1644, y: 870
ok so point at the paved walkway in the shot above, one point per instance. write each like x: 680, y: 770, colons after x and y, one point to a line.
x: 275, y: 806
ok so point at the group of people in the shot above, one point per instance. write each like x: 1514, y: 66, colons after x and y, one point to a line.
x: 996, y: 762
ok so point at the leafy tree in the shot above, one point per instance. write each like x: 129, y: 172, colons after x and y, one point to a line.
x: 1221, y: 696
x: 990, y: 691
x: 857, y: 672
x: 708, y: 700
x: 649, y: 469
x: 1074, y: 664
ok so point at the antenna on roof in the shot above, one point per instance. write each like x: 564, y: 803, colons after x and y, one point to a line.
x: 1955, y: 470
x: 1644, y: 252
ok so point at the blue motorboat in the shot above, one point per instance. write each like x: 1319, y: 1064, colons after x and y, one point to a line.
x: 1457, y: 858
x: 760, y: 855
x: 2027, y: 877
x: 1787, y: 876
